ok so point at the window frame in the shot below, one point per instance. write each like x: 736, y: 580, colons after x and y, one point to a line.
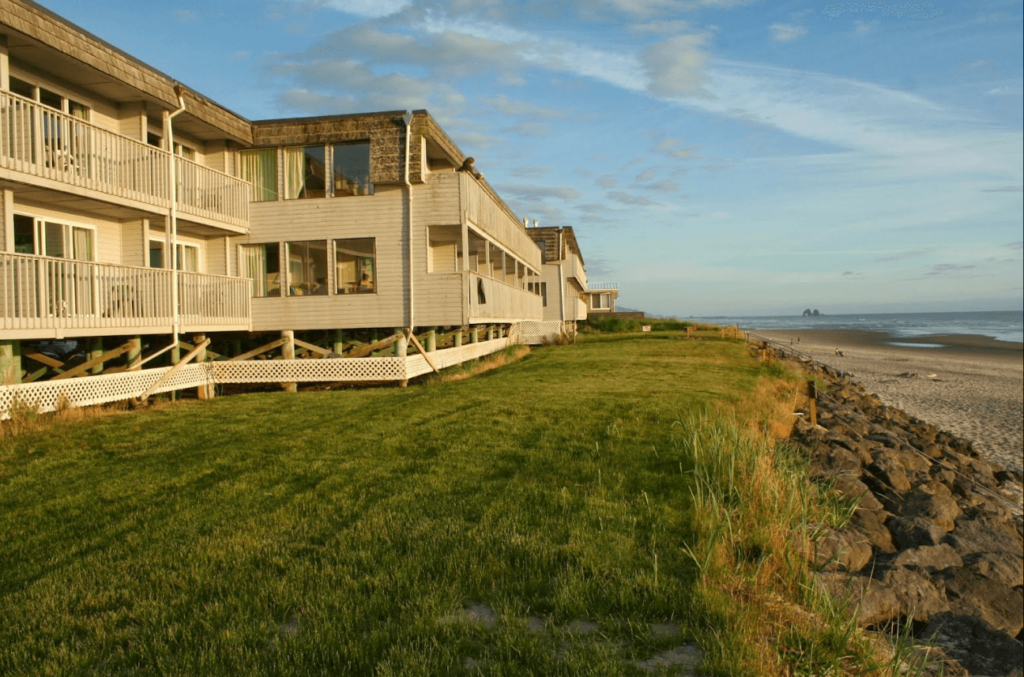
x: 39, y: 236
x: 335, y: 286
x: 182, y: 246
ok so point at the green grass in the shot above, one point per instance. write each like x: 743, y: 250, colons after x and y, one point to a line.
x: 338, y: 532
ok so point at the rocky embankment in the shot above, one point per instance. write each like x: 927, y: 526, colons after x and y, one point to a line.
x: 937, y: 540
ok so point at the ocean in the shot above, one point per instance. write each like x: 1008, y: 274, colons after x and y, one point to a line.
x: 1000, y: 325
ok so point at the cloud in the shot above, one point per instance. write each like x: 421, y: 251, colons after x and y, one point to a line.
x: 977, y: 64
x: 1018, y: 245
x: 786, y: 32
x: 899, y: 256
x: 999, y: 91
x: 665, y: 185
x: 675, y: 148
x: 662, y: 27
x: 864, y: 27
x: 949, y: 269
x: 530, y: 192
x: 1004, y: 189
x: 502, y: 104
x: 627, y: 199
x: 363, y: 8
x: 185, y: 15
x: 676, y: 66
x: 238, y: 55
x: 647, y: 174
x: 529, y: 129
x: 607, y: 181
x: 530, y: 170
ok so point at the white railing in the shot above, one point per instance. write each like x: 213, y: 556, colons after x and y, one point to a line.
x: 43, y: 293
x: 213, y: 299
x: 493, y: 299
x: 212, y: 194
x: 44, y: 142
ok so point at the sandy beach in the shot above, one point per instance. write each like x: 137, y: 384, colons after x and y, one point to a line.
x: 972, y: 386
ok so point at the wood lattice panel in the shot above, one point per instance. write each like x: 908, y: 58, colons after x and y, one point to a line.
x: 534, y: 333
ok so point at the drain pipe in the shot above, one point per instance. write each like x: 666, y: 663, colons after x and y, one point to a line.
x: 176, y: 324
x: 407, y: 119
x: 561, y: 279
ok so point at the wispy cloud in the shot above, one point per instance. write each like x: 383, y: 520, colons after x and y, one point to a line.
x: 675, y: 148
x: 864, y: 27
x: 949, y: 269
x: 627, y: 199
x: 1004, y: 189
x: 524, y: 191
x: 786, y: 32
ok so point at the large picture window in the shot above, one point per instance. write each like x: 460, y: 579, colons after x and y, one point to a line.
x: 262, y: 263
x: 53, y: 238
x: 259, y: 167
x: 352, y: 169
x: 307, y: 268
x: 305, y: 172
x: 355, y: 266
x: 188, y: 256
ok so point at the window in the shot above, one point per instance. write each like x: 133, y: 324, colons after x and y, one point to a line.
x: 188, y: 256
x: 185, y: 151
x: 259, y: 167
x: 305, y: 172
x: 262, y: 263
x: 352, y: 169
x: 53, y: 238
x: 307, y: 268
x: 23, y: 88
x: 544, y: 293
x: 543, y: 251
x: 355, y: 266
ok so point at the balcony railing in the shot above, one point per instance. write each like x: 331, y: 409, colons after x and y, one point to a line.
x: 44, y: 142
x: 42, y: 293
x: 491, y: 298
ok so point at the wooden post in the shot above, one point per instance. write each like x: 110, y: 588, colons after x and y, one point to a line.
x: 95, y: 350
x: 458, y: 337
x: 431, y: 341
x: 474, y: 335
x: 812, y: 395
x: 236, y: 347
x: 135, y: 354
x: 339, y: 341
x: 203, y: 392
x: 10, y: 362
x: 402, y: 350
x: 490, y: 332
x: 288, y: 353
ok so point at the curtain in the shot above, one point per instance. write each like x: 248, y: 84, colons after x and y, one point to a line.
x: 295, y: 173
x: 81, y: 239
x: 254, y: 260
x: 259, y: 167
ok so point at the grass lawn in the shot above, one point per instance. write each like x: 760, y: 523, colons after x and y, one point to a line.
x: 348, y: 532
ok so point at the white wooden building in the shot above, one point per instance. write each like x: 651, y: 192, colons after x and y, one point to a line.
x: 136, y: 212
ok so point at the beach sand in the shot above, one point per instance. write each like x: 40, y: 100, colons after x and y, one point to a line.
x: 977, y: 392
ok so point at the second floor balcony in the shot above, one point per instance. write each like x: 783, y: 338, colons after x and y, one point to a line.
x: 45, y: 297
x: 42, y: 143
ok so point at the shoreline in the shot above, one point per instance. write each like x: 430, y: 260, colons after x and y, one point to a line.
x: 969, y: 385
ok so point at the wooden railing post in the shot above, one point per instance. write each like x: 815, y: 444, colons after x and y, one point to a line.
x: 288, y: 353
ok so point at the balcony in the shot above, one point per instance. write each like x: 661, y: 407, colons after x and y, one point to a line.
x: 45, y: 143
x: 491, y: 299
x: 42, y: 297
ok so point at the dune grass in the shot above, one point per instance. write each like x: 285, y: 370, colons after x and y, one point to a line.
x: 626, y: 483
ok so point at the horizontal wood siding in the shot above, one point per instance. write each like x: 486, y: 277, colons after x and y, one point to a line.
x: 487, y: 215
x: 503, y: 303
x: 439, y: 296
x: 380, y: 216
x: 133, y: 243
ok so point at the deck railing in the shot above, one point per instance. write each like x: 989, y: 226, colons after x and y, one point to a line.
x: 491, y: 298
x: 44, y: 142
x: 38, y: 292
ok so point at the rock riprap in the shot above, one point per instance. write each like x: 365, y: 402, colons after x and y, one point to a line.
x: 937, y: 537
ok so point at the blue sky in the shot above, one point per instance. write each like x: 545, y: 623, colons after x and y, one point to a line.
x: 715, y: 157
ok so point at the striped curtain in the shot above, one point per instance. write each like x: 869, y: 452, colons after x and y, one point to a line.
x: 295, y: 173
x: 259, y: 167
x: 254, y: 265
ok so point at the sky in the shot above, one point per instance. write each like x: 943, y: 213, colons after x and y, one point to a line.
x: 714, y: 157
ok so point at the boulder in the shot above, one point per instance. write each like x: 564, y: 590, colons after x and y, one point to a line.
x: 913, y: 532
x: 972, y: 594
x: 872, y: 601
x: 829, y: 461
x: 840, y: 551
x: 888, y: 469
x: 985, y: 535
x: 980, y: 649
x: 917, y: 595
x: 871, y: 524
x: 942, y: 511
x: 848, y: 486
x: 930, y: 558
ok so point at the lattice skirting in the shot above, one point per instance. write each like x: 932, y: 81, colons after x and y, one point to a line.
x: 105, y: 388
x: 535, y: 333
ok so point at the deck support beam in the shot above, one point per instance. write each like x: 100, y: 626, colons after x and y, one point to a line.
x: 10, y: 362
x: 288, y: 353
x: 402, y: 349
x: 95, y: 350
x: 205, y: 391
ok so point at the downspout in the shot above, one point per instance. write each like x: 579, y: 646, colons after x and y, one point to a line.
x: 561, y: 279
x: 176, y: 321
x: 407, y: 119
